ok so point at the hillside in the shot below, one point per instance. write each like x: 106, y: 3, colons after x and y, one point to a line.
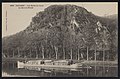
x: 114, y: 16
x: 63, y: 29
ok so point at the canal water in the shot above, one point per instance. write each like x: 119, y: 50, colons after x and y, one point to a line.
x: 9, y: 69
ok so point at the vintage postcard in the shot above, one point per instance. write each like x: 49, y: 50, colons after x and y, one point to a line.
x: 60, y: 39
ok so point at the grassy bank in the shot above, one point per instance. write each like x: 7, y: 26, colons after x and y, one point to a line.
x: 100, y: 63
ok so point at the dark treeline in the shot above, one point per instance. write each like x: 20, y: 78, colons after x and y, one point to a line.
x: 65, y: 32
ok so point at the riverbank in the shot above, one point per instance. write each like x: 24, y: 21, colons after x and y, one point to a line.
x: 90, y: 62
x: 100, y: 63
x: 4, y: 74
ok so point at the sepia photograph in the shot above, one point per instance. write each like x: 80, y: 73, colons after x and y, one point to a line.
x: 60, y: 39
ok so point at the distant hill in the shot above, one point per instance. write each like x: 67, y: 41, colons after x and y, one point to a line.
x: 114, y: 16
x: 62, y: 28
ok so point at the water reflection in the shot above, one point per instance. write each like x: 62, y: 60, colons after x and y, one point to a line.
x: 96, y: 71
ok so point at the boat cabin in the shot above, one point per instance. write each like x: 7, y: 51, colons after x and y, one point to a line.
x: 63, y: 62
x: 34, y: 62
x: 48, y: 62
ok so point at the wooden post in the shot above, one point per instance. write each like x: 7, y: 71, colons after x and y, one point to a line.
x: 87, y: 54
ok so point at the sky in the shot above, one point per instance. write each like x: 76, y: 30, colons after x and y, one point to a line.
x: 15, y: 18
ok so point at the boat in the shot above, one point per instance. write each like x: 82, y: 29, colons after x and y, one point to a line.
x: 50, y: 64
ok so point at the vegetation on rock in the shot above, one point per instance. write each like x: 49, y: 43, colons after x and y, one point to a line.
x: 63, y: 30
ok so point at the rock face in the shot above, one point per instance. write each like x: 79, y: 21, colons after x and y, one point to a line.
x: 63, y: 28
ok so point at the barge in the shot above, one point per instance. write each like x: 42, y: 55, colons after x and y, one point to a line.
x: 50, y: 64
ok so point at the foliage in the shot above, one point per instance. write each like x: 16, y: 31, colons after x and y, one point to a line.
x: 60, y: 28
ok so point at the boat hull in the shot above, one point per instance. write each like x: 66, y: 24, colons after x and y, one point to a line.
x: 72, y: 66
x: 22, y: 65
